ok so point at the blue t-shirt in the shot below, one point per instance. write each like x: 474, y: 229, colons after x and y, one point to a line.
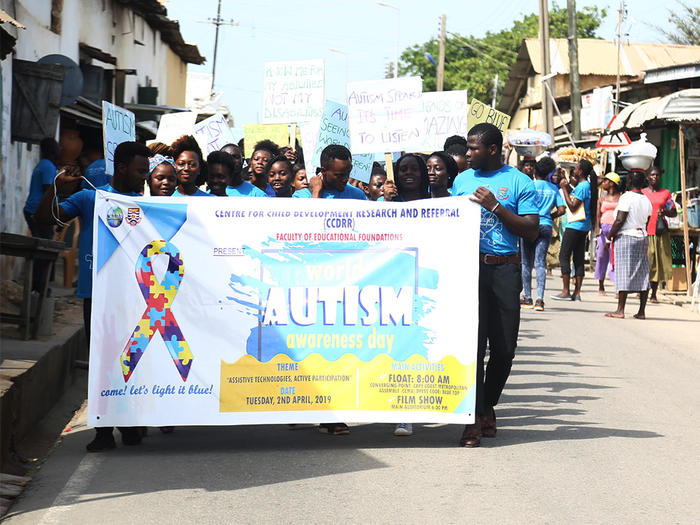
x: 548, y: 196
x: 350, y: 192
x: 582, y: 192
x: 197, y: 193
x: 269, y: 191
x: 245, y: 189
x: 513, y: 189
x: 43, y: 175
x: 82, y: 204
x: 95, y: 173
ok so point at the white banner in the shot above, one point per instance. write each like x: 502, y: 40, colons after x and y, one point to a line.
x: 385, y: 115
x: 243, y: 311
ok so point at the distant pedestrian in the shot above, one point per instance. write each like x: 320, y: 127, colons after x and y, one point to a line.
x: 606, y: 217
x: 629, y: 237
x: 660, y: 267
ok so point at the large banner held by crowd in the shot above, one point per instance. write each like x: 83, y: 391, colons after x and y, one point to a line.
x: 245, y: 311
x: 385, y: 115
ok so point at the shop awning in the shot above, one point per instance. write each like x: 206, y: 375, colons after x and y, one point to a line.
x: 681, y: 107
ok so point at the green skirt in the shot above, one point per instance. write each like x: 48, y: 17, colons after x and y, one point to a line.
x: 659, y: 253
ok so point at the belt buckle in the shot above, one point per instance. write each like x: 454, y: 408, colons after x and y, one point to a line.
x: 490, y: 258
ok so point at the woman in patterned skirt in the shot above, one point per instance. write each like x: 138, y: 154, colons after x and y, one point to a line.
x: 629, y: 237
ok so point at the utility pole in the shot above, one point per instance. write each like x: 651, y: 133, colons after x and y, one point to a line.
x: 573, y: 70
x: 441, y: 56
x: 619, y: 43
x: 218, y: 21
x: 547, y: 116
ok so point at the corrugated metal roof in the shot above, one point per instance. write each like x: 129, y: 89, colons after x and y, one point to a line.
x: 599, y: 57
x: 682, y: 106
x: 7, y: 19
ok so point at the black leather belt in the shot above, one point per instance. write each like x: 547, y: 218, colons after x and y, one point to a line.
x: 488, y: 258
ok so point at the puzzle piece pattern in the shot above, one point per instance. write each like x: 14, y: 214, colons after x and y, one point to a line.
x: 157, y: 317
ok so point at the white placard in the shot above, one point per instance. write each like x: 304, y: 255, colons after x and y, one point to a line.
x: 212, y: 134
x: 293, y: 91
x: 118, y: 125
x: 445, y: 113
x: 172, y: 126
x: 385, y: 115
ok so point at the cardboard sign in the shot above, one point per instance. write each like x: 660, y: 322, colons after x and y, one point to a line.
x: 309, y: 135
x: 293, y: 91
x: 254, y: 133
x: 385, y: 115
x: 213, y: 133
x: 480, y: 112
x: 118, y: 125
x: 333, y: 129
x: 172, y: 126
x: 445, y: 113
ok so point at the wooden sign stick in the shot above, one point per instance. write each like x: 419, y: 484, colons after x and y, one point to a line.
x: 389, y: 161
x: 292, y: 135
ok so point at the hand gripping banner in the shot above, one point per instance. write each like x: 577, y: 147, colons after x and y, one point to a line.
x: 158, y: 317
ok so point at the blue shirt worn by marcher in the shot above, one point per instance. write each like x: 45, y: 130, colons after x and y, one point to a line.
x: 197, y: 193
x: 582, y: 192
x: 548, y: 196
x: 245, y: 189
x: 350, y: 192
x: 82, y: 204
x: 513, y: 190
x: 269, y: 191
x: 43, y: 175
x: 96, y: 174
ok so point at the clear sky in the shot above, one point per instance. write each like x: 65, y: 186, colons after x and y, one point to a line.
x: 363, y: 32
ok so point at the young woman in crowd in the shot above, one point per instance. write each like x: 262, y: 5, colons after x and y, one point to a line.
x: 280, y: 173
x: 299, y: 181
x: 574, y: 239
x: 411, y: 180
x: 606, y: 216
x: 629, y: 237
x: 264, y: 152
x: 190, y: 167
x: 662, y: 205
x: 162, y: 175
x: 442, y: 171
x: 374, y: 189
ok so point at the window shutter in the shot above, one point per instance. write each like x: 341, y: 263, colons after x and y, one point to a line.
x: 36, y: 97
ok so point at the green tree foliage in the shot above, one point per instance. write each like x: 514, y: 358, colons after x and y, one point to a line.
x: 472, y: 63
x: 686, y: 25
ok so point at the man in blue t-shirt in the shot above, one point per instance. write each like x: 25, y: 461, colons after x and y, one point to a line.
x: 508, y: 211
x: 42, y: 178
x: 130, y: 172
x: 574, y: 239
x: 332, y: 183
x: 535, y: 253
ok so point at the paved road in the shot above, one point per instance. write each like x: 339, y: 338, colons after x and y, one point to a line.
x: 599, y: 424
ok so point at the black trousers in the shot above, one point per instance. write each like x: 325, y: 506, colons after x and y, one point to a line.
x: 574, y: 241
x: 499, y: 322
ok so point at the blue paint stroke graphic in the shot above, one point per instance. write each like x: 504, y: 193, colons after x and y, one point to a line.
x: 324, y: 265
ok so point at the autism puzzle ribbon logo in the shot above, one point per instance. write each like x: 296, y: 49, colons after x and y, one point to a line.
x: 157, y: 317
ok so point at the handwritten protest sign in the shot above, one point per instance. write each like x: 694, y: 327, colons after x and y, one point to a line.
x: 254, y: 133
x: 480, y: 112
x: 385, y: 115
x: 172, y: 126
x: 272, y: 311
x: 213, y: 133
x: 333, y: 129
x: 293, y: 91
x: 309, y: 135
x: 445, y: 113
x: 118, y: 125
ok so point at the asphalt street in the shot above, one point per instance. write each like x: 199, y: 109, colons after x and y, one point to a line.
x: 598, y: 424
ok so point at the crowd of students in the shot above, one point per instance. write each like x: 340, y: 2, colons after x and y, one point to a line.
x: 517, y: 221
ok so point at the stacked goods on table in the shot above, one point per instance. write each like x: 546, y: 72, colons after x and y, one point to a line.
x: 572, y: 155
x: 528, y: 142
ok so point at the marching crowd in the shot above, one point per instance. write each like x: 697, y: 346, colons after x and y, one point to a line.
x: 521, y: 210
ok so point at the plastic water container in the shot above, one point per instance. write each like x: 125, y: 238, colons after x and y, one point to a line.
x: 694, y: 213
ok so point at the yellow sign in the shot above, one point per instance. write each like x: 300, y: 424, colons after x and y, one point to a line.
x: 254, y: 133
x: 480, y: 112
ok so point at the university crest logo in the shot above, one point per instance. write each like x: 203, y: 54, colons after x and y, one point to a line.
x: 133, y: 216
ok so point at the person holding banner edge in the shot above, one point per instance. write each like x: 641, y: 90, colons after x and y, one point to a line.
x: 509, y: 210
x: 130, y: 173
